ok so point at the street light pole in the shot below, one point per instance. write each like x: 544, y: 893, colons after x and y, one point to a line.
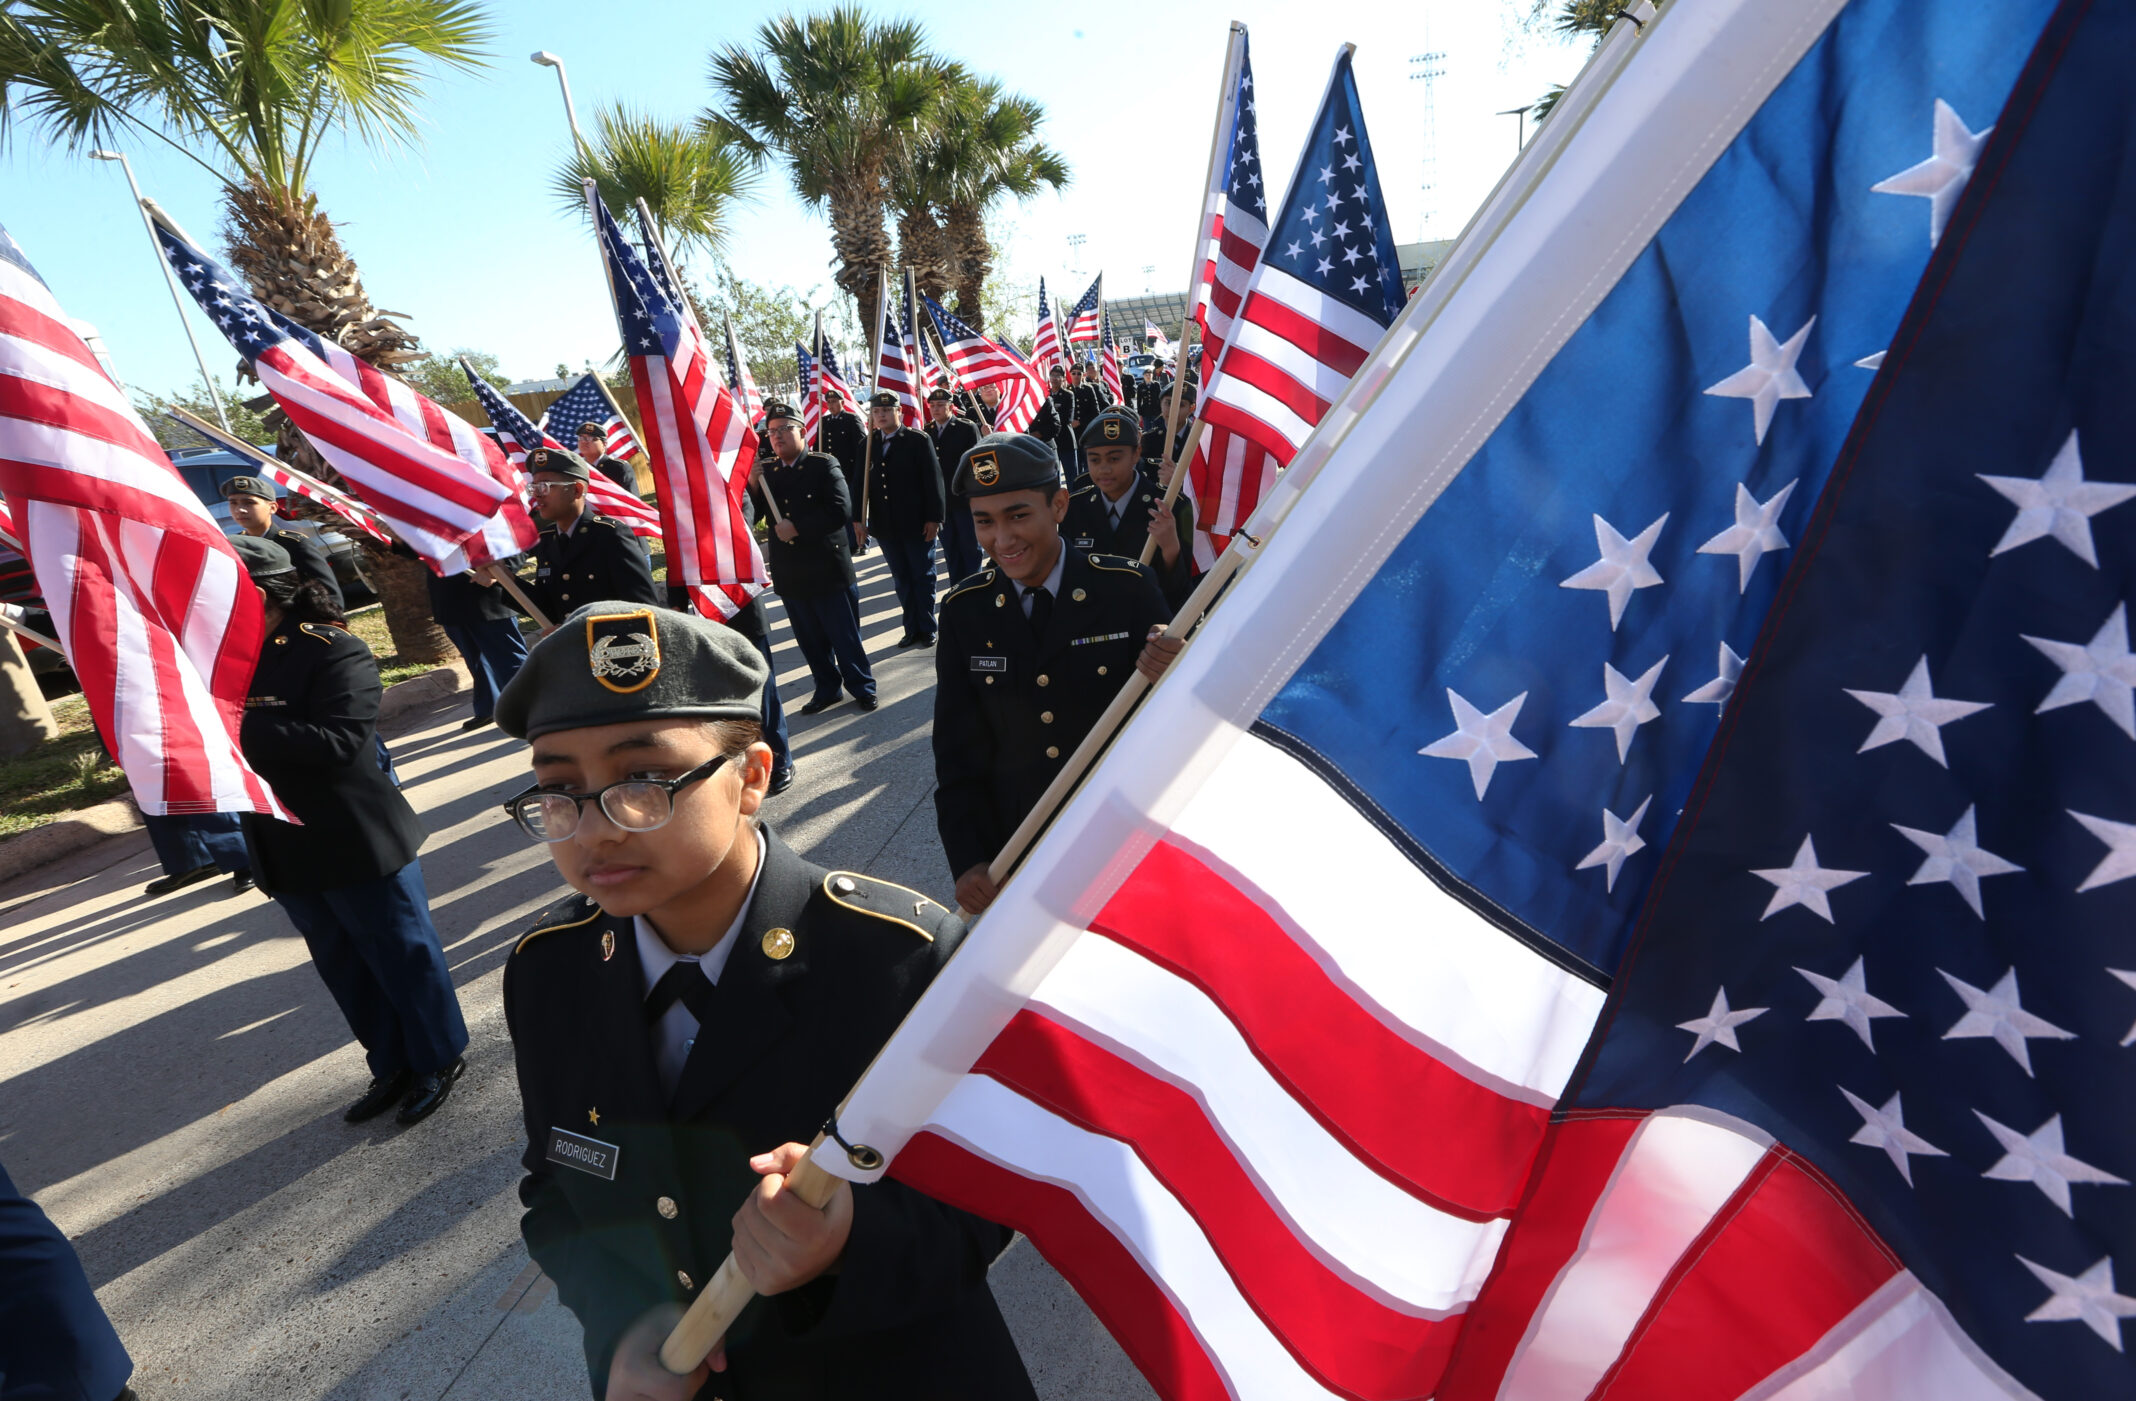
x: 550, y: 60
x: 222, y: 415
x: 1520, y: 135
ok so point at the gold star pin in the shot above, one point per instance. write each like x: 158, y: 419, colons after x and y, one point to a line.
x: 593, y: 1117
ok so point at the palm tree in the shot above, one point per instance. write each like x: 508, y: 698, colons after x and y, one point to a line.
x: 690, y: 177
x: 250, y: 90
x: 989, y: 148
x: 844, y: 100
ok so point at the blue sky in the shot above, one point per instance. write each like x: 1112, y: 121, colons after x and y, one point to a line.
x: 461, y: 232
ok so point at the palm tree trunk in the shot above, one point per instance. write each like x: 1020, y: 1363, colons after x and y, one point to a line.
x: 861, y: 244
x: 923, y: 247
x: 971, y: 258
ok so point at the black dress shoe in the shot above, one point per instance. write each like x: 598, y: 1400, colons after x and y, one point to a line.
x: 927, y: 641
x: 428, y: 1093
x: 240, y: 882
x: 385, y: 1092
x: 780, y: 782
x: 816, y: 704
x: 908, y: 640
x: 476, y: 723
x: 866, y: 702
x: 164, y: 885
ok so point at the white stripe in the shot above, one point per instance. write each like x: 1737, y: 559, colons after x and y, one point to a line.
x: 1308, y: 301
x: 1410, y: 1255
x: 1266, y: 407
x: 1676, y: 1173
x: 1483, y: 1002
x: 1900, y: 1341
x: 1249, y: 337
x: 1001, y: 1126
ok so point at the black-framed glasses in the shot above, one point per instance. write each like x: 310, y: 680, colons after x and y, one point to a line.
x: 634, y: 805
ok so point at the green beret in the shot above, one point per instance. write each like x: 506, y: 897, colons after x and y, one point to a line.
x: 1115, y: 428
x: 779, y: 408
x: 1002, y: 462
x: 262, y: 558
x: 590, y: 429
x: 938, y: 392
x: 611, y: 662
x: 882, y: 399
x: 247, y: 486
x: 560, y: 461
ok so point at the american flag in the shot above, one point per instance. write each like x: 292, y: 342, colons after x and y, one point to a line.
x: 584, y: 402
x: 1160, y: 343
x: 699, y: 440
x: 441, y: 485
x: 973, y: 358
x: 741, y: 381
x: 1083, y: 316
x: 1022, y: 394
x: 895, y: 372
x: 1109, y: 364
x: 148, y: 600
x: 811, y: 393
x: 1612, y: 1016
x: 908, y: 328
x: 1236, y: 210
x: 1046, y: 343
x: 302, y: 484
x: 833, y: 381
x: 521, y: 436
x: 1326, y: 288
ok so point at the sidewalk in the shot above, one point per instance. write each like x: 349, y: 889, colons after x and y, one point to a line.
x: 172, y: 1075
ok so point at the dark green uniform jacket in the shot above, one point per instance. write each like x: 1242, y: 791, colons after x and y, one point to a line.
x: 635, y: 1209
x: 308, y: 730
x: 1010, y: 707
x: 599, y: 560
x: 844, y: 440
x: 1088, y: 526
x: 952, y: 440
x: 904, y: 485
x: 812, y: 495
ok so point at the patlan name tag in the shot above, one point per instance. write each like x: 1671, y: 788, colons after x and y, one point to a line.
x: 575, y: 1150
x: 1000, y: 664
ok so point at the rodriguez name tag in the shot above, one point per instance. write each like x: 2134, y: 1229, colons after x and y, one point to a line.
x: 575, y: 1150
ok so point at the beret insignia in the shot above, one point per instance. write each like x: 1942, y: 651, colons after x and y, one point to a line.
x: 623, y: 650
x: 986, y: 466
x: 1112, y: 428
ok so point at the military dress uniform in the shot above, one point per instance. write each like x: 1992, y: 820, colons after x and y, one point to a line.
x: 813, y: 572
x: 594, y: 559
x: 1098, y: 525
x: 844, y: 439
x: 618, y: 471
x: 304, y: 551
x: 904, y: 497
x: 649, y: 1078
x: 960, y: 541
x: 1014, y: 696
x: 1056, y: 423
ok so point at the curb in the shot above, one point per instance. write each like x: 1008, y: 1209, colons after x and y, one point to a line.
x: 402, y: 696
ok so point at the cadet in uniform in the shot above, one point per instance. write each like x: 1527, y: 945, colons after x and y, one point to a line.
x: 581, y: 555
x: 1033, y: 650
x: 348, y: 877
x: 953, y: 437
x: 1056, y: 421
x: 844, y: 440
x: 904, y: 513
x: 251, y: 503
x: 593, y: 446
x: 1119, y: 508
x: 989, y: 407
x: 707, y: 996
x: 809, y: 564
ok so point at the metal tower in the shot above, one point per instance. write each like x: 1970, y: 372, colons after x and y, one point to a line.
x: 1427, y: 68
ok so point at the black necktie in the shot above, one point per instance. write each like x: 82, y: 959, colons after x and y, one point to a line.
x: 685, y: 983
x: 1041, y: 611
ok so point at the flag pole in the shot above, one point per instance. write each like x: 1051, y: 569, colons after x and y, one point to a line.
x: 875, y: 366
x: 1226, y: 96
x: 230, y: 442
x: 9, y: 621
x: 816, y: 350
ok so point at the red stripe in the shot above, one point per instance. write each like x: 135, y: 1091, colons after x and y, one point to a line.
x: 1141, y: 1317
x: 329, y: 435
x: 1577, y: 1159
x: 1271, y: 379
x: 1316, y: 340
x: 1346, y: 1338
x: 1235, y: 420
x: 1758, y: 1290
x: 1364, y: 1080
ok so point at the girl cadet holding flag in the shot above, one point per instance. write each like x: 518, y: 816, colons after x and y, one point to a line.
x: 690, y: 1018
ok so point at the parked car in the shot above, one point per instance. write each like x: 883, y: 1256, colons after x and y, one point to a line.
x: 206, y: 469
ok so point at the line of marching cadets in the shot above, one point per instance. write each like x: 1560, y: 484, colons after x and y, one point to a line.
x: 689, y: 1018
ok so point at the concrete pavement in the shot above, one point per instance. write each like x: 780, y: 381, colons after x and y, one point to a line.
x: 172, y: 1075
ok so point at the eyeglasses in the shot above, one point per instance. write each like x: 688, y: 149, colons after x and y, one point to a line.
x: 634, y: 805
x: 544, y: 488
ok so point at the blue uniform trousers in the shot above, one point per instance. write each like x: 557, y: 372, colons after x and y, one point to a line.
x: 960, y: 547
x: 774, y: 720
x: 911, y: 562
x: 55, y: 1342
x: 374, y: 946
x: 185, y: 844
x: 827, y: 630
x: 493, y: 649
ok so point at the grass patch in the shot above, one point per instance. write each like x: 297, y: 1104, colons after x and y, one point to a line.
x: 370, y: 624
x: 60, y: 776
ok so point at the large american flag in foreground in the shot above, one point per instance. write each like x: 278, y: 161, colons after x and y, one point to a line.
x: 521, y: 436
x: 584, y: 402
x: 433, y: 477
x: 149, y: 602
x: 1327, y: 285
x: 697, y: 436
x: 1602, y: 1014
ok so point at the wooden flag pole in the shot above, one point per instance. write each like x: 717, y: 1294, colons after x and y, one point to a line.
x: 232, y: 443
x: 511, y: 586
x: 14, y: 625
x: 875, y: 366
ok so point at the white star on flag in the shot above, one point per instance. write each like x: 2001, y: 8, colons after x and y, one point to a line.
x: 1996, y: 1013
x: 1871, y: 362
x: 1886, y: 1129
x: 2059, y: 502
x: 2100, y: 671
x: 1754, y: 534
x: 1847, y: 999
x: 1956, y: 857
x: 1722, y: 686
x: 1914, y: 712
x: 2039, y: 1158
x: 1769, y: 377
x: 1626, y: 705
x: 1941, y: 178
x: 1485, y: 741
x: 1805, y: 883
x: 2119, y: 863
x: 1718, y: 1025
x: 1622, y: 568
x: 1620, y: 839
x: 2088, y: 1299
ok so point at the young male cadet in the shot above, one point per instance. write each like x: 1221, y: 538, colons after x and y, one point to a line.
x: 811, y: 566
x: 904, y: 513
x: 251, y: 503
x: 593, y: 446
x: 954, y: 435
x: 688, y: 1020
x: 581, y: 554
x: 1119, y: 509
x: 1032, y: 651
